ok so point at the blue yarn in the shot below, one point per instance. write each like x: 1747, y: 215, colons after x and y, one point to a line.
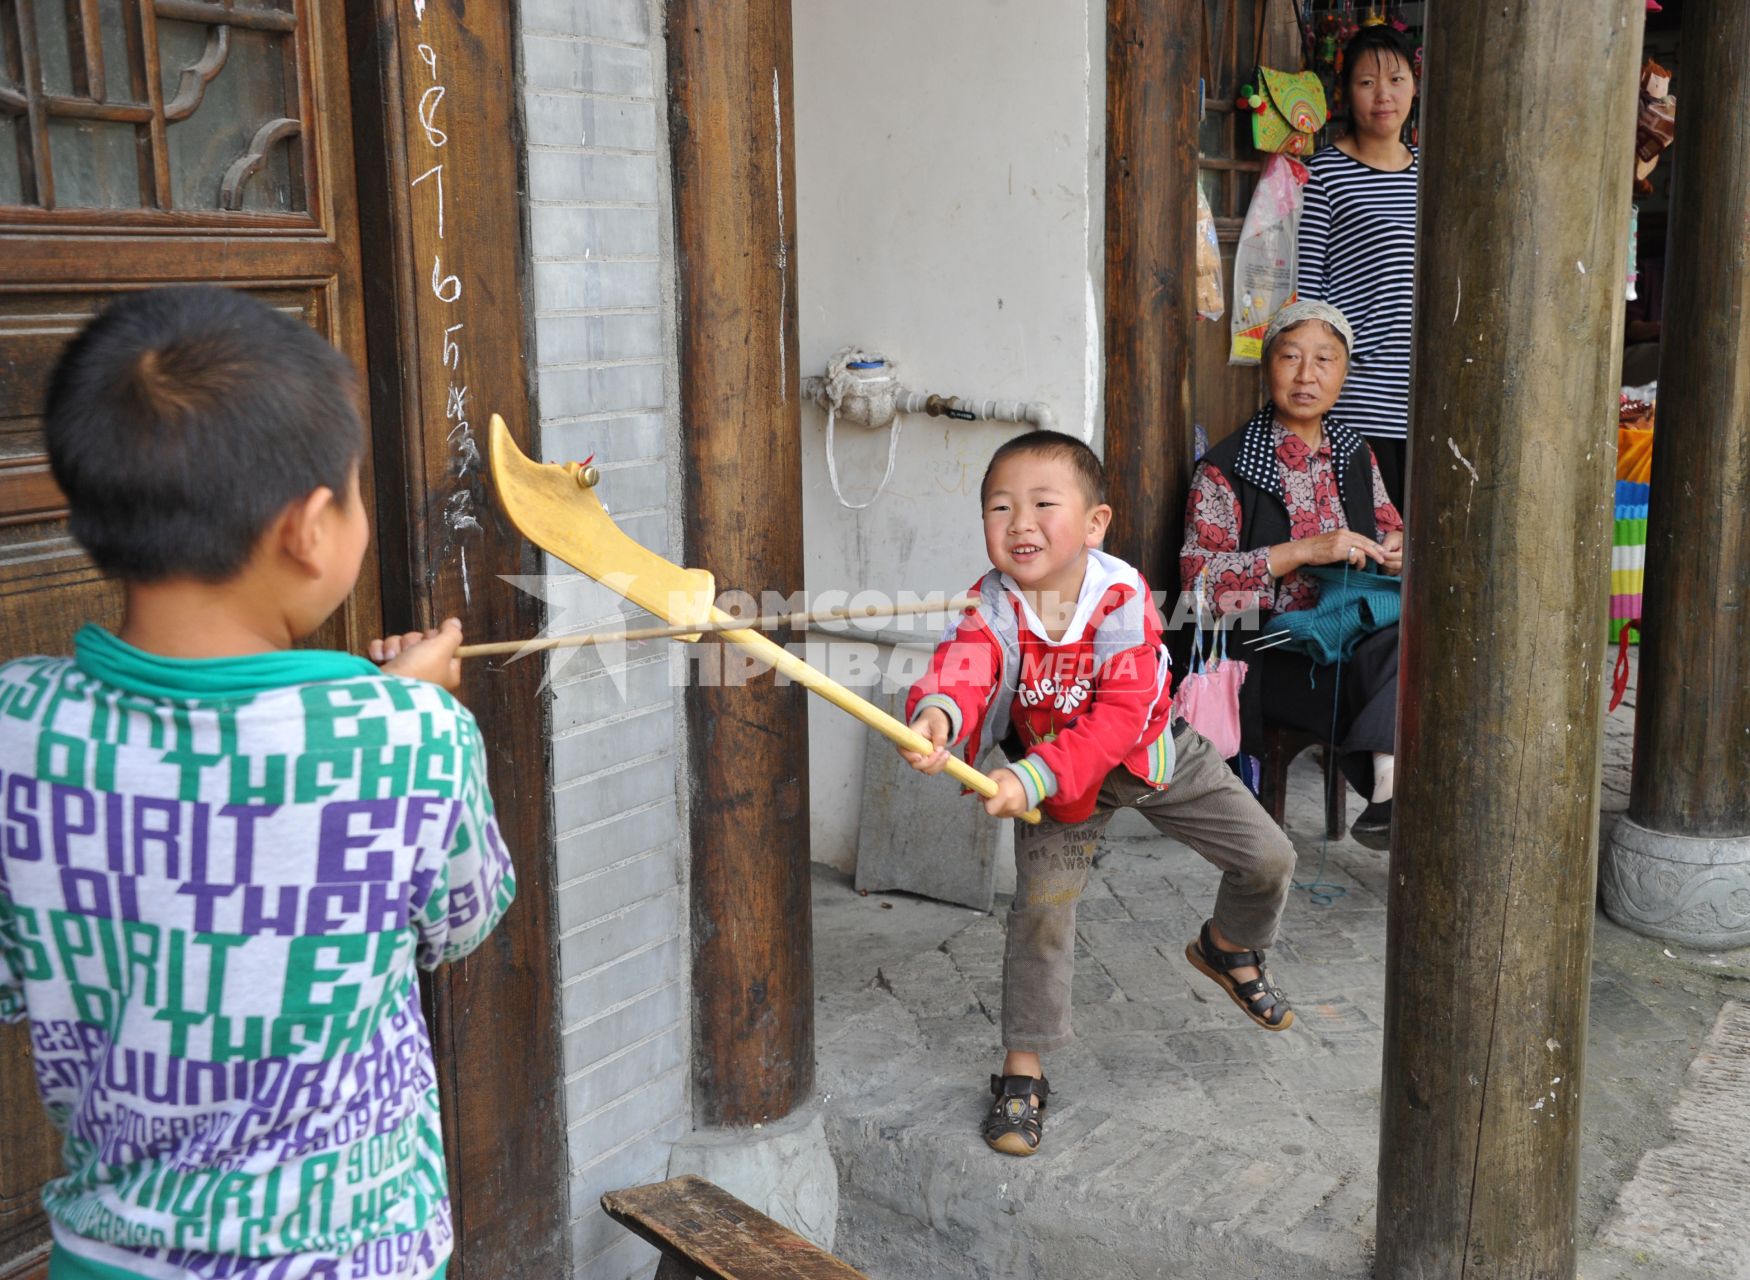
x: 1348, y: 610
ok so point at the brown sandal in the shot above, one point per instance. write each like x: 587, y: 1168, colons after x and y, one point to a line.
x: 1261, y: 999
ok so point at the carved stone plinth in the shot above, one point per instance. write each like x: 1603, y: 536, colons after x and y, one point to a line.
x: 1688, y: 889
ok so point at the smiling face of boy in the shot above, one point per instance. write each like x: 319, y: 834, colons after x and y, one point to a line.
x: 1039, y: 522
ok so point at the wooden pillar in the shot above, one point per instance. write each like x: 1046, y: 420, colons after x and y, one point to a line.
x: 735, y: 224
x: 1678, y: 865
x: 1524, y: 208
x: 1692, y: 751
x: 1151, y: 274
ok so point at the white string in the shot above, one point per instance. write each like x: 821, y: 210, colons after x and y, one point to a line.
x: 832, y: 466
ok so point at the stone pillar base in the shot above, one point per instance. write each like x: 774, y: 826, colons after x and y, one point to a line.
x: 1687, y: 889
x: 783, y: 1169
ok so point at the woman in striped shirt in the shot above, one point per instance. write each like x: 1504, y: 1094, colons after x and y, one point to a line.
x: 1358, y: 241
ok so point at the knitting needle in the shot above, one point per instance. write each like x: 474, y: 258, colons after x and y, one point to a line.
x: 1271, y: 641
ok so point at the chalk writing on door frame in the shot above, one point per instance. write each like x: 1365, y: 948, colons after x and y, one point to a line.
x: 446, y: 286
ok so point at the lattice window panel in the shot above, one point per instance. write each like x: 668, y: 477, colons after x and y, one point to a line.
x: 169, y: 105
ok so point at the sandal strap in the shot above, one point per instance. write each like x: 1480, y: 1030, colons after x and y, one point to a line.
x: 1227, y: 961
x: 1262, y: 995
x: 1021, y: 1087
x: 1014, y: 1111
x: 1251, y: 992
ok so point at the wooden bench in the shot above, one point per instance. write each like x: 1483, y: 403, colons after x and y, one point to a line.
x: 705, y: 1233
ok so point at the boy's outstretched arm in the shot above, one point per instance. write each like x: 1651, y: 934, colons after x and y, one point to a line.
x: 950, y: 695
x: 464, y: 883
x: 423, y: 655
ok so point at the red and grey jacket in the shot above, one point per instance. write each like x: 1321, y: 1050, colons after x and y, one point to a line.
x: 1081, y: 706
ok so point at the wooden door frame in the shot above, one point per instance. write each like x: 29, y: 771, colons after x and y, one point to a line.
x: 1154, y: 56
x: 1151, y: 278
x: 495, y: 1016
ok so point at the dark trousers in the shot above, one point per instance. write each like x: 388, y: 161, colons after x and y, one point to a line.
x: 1354, y: 704
x: 1389, y: 454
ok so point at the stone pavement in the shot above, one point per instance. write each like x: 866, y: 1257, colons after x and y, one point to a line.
x: 1183, y: 1142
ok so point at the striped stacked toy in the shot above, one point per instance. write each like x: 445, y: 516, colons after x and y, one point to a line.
x: 1628, y: 551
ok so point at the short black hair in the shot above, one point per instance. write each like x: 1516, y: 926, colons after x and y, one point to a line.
x: 1376, y: 43
x: 1052, y: 444
x: 181, y: 421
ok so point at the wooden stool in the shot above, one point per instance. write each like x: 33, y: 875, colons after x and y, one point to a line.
x: 707, y: 1234
x: 1281, y: 746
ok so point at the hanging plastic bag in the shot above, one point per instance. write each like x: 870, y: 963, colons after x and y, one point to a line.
x: 1210, y: 300
x: 1264, y: 262
x: 1209, y: 695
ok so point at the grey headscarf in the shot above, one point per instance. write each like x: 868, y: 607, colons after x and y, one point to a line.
x: 1309, y: 309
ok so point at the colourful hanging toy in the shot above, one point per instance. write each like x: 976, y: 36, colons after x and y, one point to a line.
x: 1327, y: 47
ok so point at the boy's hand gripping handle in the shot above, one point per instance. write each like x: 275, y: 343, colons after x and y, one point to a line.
x: 761, y: 646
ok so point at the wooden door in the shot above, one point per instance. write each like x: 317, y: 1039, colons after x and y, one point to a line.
x: 148, y: 142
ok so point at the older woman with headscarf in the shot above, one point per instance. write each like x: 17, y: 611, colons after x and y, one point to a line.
x: 1293, y: 488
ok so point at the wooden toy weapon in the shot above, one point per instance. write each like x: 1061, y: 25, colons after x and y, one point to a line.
x: 556, y: 508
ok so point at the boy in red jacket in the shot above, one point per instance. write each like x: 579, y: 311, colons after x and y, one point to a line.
x: 1062, y: 660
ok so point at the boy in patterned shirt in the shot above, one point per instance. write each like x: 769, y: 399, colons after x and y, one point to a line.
x: 223, y: 859
x: 1061, y: 663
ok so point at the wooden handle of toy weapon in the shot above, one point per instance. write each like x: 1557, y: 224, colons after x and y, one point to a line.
x: 688, y: 631
x: 765, y: 649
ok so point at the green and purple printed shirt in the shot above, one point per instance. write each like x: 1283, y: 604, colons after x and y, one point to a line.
x: 218, y: 879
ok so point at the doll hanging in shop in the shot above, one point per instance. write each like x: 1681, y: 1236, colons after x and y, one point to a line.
x: 1656, y: 125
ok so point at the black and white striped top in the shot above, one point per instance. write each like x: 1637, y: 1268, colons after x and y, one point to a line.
x: 1358, y: 253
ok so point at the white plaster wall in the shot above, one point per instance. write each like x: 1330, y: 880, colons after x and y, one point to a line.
x: 949, y: 173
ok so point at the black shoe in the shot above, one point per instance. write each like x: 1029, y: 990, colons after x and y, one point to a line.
x: 1373, y: 828
x: 1013, y: 1125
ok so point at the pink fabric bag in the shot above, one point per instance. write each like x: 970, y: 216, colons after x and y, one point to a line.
x: 1209, y: 695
